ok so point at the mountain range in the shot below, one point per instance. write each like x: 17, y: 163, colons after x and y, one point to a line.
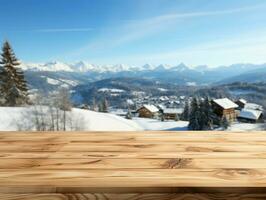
x: 84, y: 67
x: 56, y: 73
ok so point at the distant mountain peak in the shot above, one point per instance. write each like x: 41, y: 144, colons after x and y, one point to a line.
x: 181, y: 67
x: 148, y: 67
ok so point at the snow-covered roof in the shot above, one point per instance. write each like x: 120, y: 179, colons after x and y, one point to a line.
x: 151, y: 108
x: 253, y: 106
x: 225, y: 103
x: 164, y: 98
x: 250, y: 114
x: 130, y: 102
x: 242, y: 101
x: 173, y: 110
x: 161, y: 106
x: 112, y: 90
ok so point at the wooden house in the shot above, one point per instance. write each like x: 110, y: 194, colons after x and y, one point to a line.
x: 241, y: 103
x: 250, y: 116
x: 253, y: 106
x: 172, y: 113
x: 225, y: 108
x: 148, y: 111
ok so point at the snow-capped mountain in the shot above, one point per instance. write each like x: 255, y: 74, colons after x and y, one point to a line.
x: 181, y: 74
x: 53, y: 66
x: 82, y: 66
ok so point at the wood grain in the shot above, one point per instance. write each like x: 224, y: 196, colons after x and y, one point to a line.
x: 165, y: 196
x: 98, y: 165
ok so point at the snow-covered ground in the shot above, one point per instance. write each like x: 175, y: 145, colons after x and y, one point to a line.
x: 153, y: 124
x: 246, y: 127
x: 90, y: 120
x: 94, y: 121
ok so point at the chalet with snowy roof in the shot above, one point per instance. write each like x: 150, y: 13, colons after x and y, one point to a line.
x: 241, y: 103
x: 253, y: 106
x: 250, y: 116
x: 172, y: 113
x: 172, y: 104
x: 148, y: 111
x: 225, y: 108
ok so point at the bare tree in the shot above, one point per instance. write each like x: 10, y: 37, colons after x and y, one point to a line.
x: 64, y: 104
x: 50, y: 114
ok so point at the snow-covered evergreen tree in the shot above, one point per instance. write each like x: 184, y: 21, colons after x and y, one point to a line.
x: 207, y: 115
x: 162, y: 117
x: 225, y: 123
x: 195, y: 115
x: 103, y: 106
x: 186, y: 112
x: 13, y: 86
x: 176, y: 117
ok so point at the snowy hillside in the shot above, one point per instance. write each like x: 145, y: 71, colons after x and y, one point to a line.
x: 93, y: 121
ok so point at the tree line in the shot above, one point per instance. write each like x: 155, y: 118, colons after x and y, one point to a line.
x: 201, y: 116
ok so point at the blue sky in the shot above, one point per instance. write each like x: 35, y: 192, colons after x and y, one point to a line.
x: 135, y: 32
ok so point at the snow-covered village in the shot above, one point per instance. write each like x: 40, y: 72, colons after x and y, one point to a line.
x: 25, y: 108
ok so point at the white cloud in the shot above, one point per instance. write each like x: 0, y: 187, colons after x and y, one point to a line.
x: 134, y: 30
x: 246, y: 48
x: 230, y: 50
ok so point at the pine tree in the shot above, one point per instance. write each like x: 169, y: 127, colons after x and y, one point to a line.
x: 103, y: 107
x: 176, y: 117
x: 186, y: 112
x: 13, y: 87
x: 207, y: 115
x: 225, y: 123
x: 162, y: 117
x: 194, y: 118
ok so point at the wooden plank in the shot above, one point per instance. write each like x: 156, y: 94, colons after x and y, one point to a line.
x: 117, y: 136
x: 154, y: 196
x: 132, y: 140
x: 154, y: 178
x: 133, y: 163
x: 121, y: 155
x: 136, y: 147
x: 131, y: 135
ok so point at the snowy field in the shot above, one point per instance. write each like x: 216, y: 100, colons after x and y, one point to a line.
x: 152, y: 124
x: 246, y: 127
x: 95, y: 121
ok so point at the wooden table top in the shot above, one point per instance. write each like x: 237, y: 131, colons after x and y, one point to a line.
x: 131, y: 161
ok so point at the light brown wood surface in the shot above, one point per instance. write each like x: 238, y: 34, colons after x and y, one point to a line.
x: 155, y: 196
x: 148, y: 165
